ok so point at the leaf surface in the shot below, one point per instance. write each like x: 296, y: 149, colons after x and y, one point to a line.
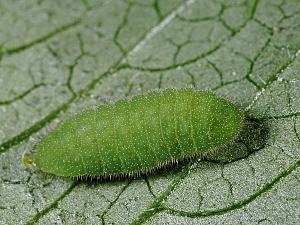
x: 61, y: 57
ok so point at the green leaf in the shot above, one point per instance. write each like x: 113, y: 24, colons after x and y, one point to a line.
x: 61, y: 57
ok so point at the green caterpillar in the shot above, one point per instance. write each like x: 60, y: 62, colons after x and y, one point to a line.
x: 138, y: 135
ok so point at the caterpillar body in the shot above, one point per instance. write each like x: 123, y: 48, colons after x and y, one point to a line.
x: 139, y: 135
